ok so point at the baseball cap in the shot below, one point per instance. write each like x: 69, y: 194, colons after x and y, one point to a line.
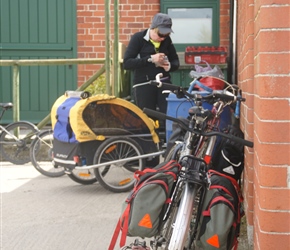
x: 163, y: 22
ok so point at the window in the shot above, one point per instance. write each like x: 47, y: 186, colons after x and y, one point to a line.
x: 200, y: 19
x: 195, y: 23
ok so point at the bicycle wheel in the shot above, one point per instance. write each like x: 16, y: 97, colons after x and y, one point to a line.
x: 174, y: 152
x: 179, y: 229
x: 15, y: 142
x: 82, y: 176
x: 180, y: 238
x: 41, y: 154
x: 118, y: 176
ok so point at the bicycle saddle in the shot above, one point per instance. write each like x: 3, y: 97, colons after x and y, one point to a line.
x: 6, y: 105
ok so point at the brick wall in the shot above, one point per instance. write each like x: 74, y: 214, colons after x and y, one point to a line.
x: 224, y: 22
x: 263, y: 73
x: 134, y: 15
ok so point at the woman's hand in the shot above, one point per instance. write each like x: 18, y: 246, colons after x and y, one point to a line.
x: 158, y: 58
x: 161, y: 60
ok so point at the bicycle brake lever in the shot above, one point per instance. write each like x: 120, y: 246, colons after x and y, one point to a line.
x: 157, y: 78
x: 166, y: 91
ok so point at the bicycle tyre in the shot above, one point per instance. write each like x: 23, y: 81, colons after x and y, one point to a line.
x: 41, y: 154
x: 173, y: 154
x: 17, y: 150
x: 180, y: 237
x: 118, y: 177
x: 82, y: 176
x: 166, y: 229
x: 181, y: 233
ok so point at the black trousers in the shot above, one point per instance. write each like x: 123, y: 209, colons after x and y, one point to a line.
x: 151, y: 97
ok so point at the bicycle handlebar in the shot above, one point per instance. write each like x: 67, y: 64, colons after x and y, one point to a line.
x: 180, y: 92
x: 162, y: 116
x: 167, y: 86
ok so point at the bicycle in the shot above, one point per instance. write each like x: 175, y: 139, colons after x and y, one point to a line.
x: 41, y: 154
x: 179, y: 228
x: 16, y: 138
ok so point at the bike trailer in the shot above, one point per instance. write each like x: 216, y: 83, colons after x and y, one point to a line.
x: 80, y: 125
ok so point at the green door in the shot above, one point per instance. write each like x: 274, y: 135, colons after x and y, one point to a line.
x: 37, y: 29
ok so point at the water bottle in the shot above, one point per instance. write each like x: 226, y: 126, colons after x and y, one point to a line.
x: 84, y: 161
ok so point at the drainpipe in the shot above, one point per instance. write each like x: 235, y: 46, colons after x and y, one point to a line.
x: 108, y: 51
x: 235, y: 78
x: 116, y: 50
x: 232, y: 77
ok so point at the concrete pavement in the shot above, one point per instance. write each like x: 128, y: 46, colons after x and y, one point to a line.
x: 42, y: 213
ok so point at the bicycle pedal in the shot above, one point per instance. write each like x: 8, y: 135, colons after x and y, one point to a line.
x: 137, y: 245
x: 141, y: 248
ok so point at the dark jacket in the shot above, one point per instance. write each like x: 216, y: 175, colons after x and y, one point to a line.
x: 140, y: 49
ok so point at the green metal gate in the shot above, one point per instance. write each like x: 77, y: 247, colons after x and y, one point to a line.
x: 37, y: 29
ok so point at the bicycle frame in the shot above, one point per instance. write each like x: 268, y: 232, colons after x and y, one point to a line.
x: 13, y: 136
x: 194, y: 157
x: 15, y: 139
x: 180, y: 222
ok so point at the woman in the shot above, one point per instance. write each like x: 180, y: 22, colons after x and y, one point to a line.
x: 150, y: 52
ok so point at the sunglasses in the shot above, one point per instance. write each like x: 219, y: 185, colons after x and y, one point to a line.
x: 163, y: 35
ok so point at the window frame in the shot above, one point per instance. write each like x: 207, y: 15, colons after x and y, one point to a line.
x: 214, y: 4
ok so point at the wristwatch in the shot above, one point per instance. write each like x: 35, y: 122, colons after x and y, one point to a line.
x: 149, y: 59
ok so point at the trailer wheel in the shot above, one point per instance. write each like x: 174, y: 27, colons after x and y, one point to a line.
x: 118, y: 176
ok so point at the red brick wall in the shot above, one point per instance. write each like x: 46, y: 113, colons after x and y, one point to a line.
x: 263, y: 73
x: 134, y: 15
x: 224, y: 22
x: 90, y: 35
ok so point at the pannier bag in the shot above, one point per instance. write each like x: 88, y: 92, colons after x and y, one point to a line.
x: 144, y: 208
x: 219, y: 223
x: 228, y: 157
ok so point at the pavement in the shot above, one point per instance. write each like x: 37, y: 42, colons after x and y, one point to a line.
x: 42, y: 213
